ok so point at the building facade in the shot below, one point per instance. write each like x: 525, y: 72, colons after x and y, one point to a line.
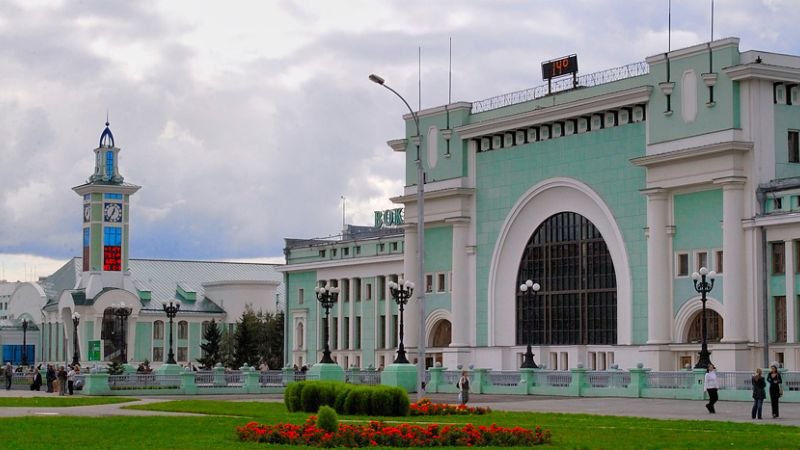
x: 609, y: 191
x: 105, y: 279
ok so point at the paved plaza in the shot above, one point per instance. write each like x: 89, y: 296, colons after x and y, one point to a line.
x: 636, y: 407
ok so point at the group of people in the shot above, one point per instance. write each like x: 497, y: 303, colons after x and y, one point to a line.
x: 61, y: 379
x: 759, y: 384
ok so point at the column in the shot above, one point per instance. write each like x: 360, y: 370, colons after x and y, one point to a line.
x: 411, y: 328
x: 791, y: 295
x: 734, y: 321
x: 659, y: 270
x: 459, y: 301
x: 340, y: 313
x: 351, y: 345
x: 387, y: 311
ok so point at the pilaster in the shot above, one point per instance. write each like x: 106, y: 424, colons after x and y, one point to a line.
x: 659, y: 271
x: 459, y: 298
x: 791, y: 324
x: 733, y: 283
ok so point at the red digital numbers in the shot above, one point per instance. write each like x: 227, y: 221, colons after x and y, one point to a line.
x: 112, y: 258
x: 559, y: 67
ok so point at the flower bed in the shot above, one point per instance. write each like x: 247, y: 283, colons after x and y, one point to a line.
x: 403, y: 435
x: 425, y: 407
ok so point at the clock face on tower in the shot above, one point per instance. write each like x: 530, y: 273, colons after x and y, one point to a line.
x: 112, y: 212
x: 87, y: 213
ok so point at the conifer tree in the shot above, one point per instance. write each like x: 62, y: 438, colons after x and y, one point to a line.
x: 211, y: 348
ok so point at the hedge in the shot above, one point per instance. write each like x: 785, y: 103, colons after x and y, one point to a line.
x: 346, y: 399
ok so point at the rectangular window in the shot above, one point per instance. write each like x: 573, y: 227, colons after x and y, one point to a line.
x: 345, y: 290
x: 394, y: 331
x: 322, y: 253
x: 183, y: 353
x: 346, y: 333
x: 335, y: 334
x: 369, y: 291
x: 333, y: 252
x: 428, y: 283
x: 382, y: 332
x: 158, y: 354
x: 718, y: 261
x: 112, y: 249
x: 358, y: 332
x: 394, y: 246
x: 780, y: 319
x: 794, y: 146
x: 702, y: 260
x: 109, y: 164
x: 158, y: 330
x: 682, y: 265
x: 301, y: 296
x: 777, y: 204
x: 86, y: 246
x: 381, y: 288
x: 112, y: 196
x: 357, y: 288
x: 778, y: 257
x: 346, y: 251
x: 357, y: 250
x: 381, y: 247
x: 441, y: 285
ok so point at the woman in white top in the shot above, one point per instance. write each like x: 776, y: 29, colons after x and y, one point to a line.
x: 711, y: 386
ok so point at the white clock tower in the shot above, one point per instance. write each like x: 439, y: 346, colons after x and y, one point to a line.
x: 106, y: 225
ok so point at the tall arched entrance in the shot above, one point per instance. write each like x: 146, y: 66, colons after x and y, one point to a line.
x: 577, y: 303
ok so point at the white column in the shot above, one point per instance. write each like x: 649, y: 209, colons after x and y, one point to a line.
x: 411, y: 325
x: 659, y: 269
x: 791, y: 335
x: 340, y: 314
x: 734, y: 321
x: 387, y: 311
x: 459, y: 299
x: 351, y: 345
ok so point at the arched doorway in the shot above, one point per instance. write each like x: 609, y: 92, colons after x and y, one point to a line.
x: 577, y: 303
x: 441, y: 335
x: 713, y: 324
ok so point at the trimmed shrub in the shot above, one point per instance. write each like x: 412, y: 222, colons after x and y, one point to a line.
x: 342, y: 390
x: 381, y: 402
x: 327, y: 419
x: 311, y: 398
x: 358, y: 401
x: 400, y: 403
x: 291, y: 396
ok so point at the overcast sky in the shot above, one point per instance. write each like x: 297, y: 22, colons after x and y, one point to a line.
x: 245, y: 122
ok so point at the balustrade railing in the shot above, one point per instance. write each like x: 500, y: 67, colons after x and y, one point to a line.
x: 370, y: 377
x: 270, y: 378
x: 614, y: 380
x: 670, y: 380
x: 144, y: 381
x: 503, y: 378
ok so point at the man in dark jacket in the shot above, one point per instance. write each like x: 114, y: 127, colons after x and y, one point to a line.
x: 50, y: 376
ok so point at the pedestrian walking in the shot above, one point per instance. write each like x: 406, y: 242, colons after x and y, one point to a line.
x: 711, y: 385
x: 62, y: 381
x: 759, y: 393
x: 71, y: 379
x: 50, y: 377
x: 8, y: 373
x: 36, y: 385
x: 775, y: 389
x: 463, y: 388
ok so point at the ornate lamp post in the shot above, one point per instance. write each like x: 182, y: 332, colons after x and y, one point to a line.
x: 24, y: 342
x: 420, y: 241
x: 76, y: 357
x: 531, y: 289
x: 327, y: 297
x: 121, y: 312
x: 703, y: 284
x: 171, y: 309
x: 401, y: 293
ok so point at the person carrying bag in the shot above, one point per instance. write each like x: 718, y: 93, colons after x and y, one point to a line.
x: 463, y: 388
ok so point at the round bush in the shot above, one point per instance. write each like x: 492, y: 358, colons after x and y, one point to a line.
x: 342, y: 391
x: 381, y: 402
x: 327, y: 419
x: 310, y: 398
x: 291, y: 396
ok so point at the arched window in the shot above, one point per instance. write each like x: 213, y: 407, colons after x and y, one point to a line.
x: 183, y: 329
x: 713, y: 322
x: 158, y: 329
x: 300, y: 334
x: 577, y: 303
x: 441, y: 334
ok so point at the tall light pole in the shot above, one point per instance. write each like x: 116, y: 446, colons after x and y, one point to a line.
x: 171, y: 309
x: 327, y: 297
x: 24, y: 342
x: 401, y: 293
x: 703, y: 284
x: 76, y: 357
x: 420, y: 243
x: 530, y: 288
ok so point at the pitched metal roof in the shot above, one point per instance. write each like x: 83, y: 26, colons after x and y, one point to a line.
x: 6, y: 289
x: 161, y: 279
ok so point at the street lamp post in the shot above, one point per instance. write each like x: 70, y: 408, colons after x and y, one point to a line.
x: 24, y: 342
x: 121, y: 312
x: 327, y: 297
x: 530, y: 288
x: 76, y: 357
x: 401, y: 292
x: 171, y: 309
x: 420, y: 242
x: 703, y: 284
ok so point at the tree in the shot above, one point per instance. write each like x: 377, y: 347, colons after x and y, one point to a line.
x: 227, y: 348
x: 115, y: 367
x: 212, y: 352
x: 246, y: 339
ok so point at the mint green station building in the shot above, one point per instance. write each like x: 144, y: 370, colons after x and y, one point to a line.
x: 608, y: 191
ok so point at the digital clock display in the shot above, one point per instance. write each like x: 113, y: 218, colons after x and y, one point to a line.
x: 559, y: 67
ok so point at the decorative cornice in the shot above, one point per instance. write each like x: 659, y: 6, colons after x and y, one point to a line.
x: 440, y: 110
x: 88, y: 188
x: 694, y: 50
x: 398, y: 145
x: 692, y: 153
x: 762, y: 71
x: 550, y: 113
x: 430, y: 195
x: 339, y: 263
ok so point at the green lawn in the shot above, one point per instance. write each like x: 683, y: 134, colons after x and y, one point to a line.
x: 59, y: 401
x: 205, y: 432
